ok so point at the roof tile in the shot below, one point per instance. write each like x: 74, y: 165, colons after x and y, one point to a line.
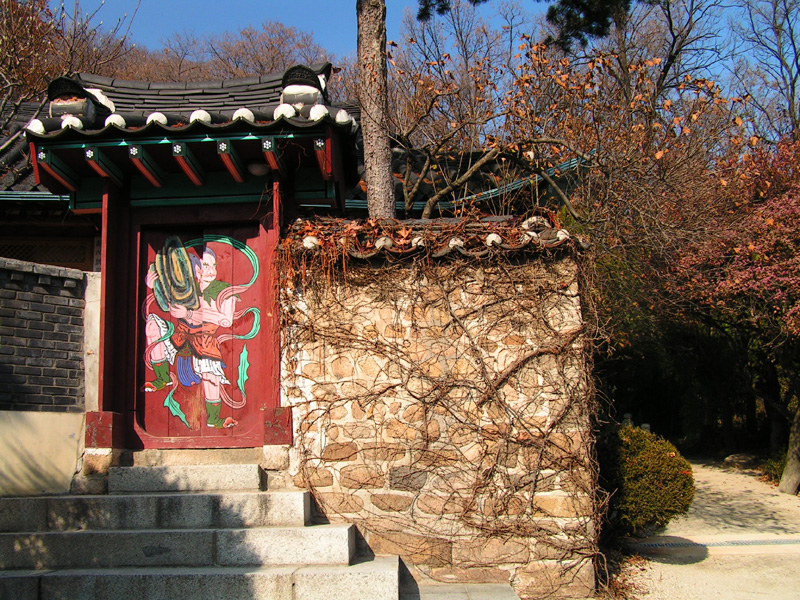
x: 208, y: 85
x: 168, y: 85
x: 119, y: 84
x: 246, y: 81
x: 96, y: 80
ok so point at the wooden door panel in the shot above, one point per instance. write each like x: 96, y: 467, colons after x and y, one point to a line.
x: 206, y: 366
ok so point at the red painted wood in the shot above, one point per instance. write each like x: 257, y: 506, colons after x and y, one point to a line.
x: 35, y: 164
x: 278, y: 425
x: 274, y: 162
x: 232, y: 167
x: 104, y: 430
x: 57, y: 176
x: 154, y: 424
x: 103, y: 173
x: 277, y: 215
x: 105, y: 377
x: 323, y: 159
x: 339, y: 178
x: 195, y: 177
x: 114, y: 367
x: 154, y: 180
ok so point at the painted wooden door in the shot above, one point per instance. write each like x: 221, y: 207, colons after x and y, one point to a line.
x: 206, y: 337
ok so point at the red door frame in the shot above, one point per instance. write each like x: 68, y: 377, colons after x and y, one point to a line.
x: 114, y: 424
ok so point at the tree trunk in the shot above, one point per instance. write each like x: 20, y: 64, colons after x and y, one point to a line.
x: 777, y: 429
x: 373, y: 97
x: 771, y: 392
x: 790, y: 479
x: 728, y: 435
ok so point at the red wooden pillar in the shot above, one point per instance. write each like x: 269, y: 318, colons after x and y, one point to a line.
x: 277, y: 419
x: 105, y: 428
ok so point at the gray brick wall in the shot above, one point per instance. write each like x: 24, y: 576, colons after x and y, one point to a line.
x: 41, y: 337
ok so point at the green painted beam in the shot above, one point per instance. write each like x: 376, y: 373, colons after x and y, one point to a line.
x: 170, y: 140
x: 33, y: 197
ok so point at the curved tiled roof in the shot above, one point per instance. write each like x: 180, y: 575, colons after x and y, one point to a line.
x: 93, y: 110
x: 131, y: 96
x: 142, y: 108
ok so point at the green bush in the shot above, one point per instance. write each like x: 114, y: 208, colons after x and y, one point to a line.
x: 773, y: 468
x: 648, y: 479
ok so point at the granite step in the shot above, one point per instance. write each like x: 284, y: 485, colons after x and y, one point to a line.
x: 177, y: 531
x: 368, y: 580
x: 186, y: 478
x: 315, y: 545
x: 156, y: 511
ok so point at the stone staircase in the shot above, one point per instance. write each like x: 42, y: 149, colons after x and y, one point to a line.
x: 165, y: 532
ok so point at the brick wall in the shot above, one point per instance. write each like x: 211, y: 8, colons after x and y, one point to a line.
x: 41, y: 337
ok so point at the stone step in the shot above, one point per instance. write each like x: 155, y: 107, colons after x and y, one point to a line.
x: 185, y: 478
x: 459, y: 591
x: 156, y: 511
x: 153, y: 457
x: 370, y: 580
x: 315, y: 545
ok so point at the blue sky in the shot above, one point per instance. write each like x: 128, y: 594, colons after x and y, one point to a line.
x: 333, y: 22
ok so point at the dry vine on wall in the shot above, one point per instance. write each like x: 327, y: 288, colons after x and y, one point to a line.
x: 445, y: 408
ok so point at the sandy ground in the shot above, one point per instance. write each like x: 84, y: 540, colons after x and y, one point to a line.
x: 739, y: 541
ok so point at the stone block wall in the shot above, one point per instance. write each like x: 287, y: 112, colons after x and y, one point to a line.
x: 41, y: 337
x: 445, y: 409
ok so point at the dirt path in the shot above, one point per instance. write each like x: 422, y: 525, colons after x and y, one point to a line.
x: 739, y: 541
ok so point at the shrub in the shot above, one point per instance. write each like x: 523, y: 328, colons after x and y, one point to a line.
x: 773, y: 467
x: 648, y: 479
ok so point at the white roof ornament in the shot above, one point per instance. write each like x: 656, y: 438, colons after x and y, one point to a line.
x: 70, y: 121
x: 318, y: 112
x: 342, y: 117
x: 456, y: 241
x: 493, y: 239
x: 245, y: 114
x: 418, y: 242
x: 35, y: 126
x: 562, y: 234
x: 158, y: 117
x: 200, y: 115
x: 286, y: 111
x: 117, y: 120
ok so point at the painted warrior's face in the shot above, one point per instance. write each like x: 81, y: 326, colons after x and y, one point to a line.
x: 208, y: 268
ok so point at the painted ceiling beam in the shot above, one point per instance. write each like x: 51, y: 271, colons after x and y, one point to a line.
x: 230, y: 159
x: 56, y: 168
x: 269, y: 147
x: 147, y: 167
x: 188, y: 163
x: 100, y: 162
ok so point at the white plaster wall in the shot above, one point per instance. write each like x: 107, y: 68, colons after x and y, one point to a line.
x: 91, y: 341
x: 39, y: 451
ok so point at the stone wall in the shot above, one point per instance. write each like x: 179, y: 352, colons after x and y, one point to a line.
x: 41, y: 337
x: 445, y: 409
